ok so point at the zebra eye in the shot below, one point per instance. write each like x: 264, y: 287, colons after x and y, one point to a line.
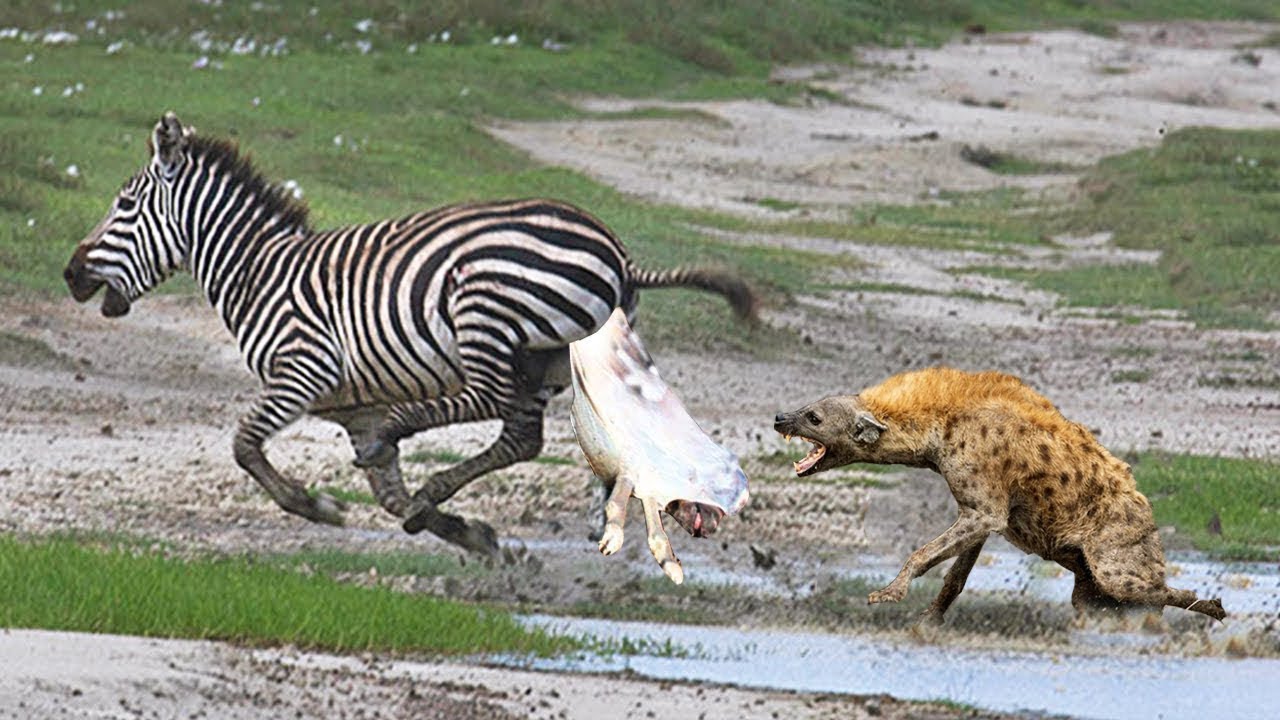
x: 126, y: 203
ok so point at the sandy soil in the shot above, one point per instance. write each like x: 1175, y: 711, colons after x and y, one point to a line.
x: 125, y: 426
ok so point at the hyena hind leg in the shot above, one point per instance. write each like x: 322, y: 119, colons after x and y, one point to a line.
x: 1133, y: 573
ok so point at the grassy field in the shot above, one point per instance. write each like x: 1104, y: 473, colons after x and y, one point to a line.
x: 382, y: 118
x: 1209, y: 201
x: 61, y: 584
x: 1227, y: 506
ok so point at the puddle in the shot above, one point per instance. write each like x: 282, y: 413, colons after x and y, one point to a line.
x: 1100, y: 686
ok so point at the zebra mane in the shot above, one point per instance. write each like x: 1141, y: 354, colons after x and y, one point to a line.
x: 276, y: 201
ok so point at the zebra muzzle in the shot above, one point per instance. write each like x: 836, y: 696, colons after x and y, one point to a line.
x: 114, y: 303
x: 81, y: 284
x: 84, y: 285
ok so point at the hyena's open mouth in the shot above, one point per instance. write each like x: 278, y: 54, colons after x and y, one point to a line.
x: 807, y: 463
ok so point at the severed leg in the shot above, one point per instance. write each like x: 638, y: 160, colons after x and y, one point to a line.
x: 659, y: 543
x: 615, y: 514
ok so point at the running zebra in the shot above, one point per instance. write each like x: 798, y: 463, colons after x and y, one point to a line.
x: 453, y: 315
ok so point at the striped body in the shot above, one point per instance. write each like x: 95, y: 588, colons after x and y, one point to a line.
x: 457, y: 314
x: 417, y: 307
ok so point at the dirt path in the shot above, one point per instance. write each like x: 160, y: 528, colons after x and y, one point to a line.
x: 892, y: 130
x: 125, y: 426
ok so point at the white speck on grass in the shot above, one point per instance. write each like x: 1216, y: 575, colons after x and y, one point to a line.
x: 68, y: 91
x: 37, y: 90
x: 444, y: 36
x: 73, y: 170
x: 464, y: 91
x: 59, y: 37
x: 512, y: 39
x: 29, y: 58
x: 337, y: 140
x: 314, y: 11
x: 243, y: 46
x: 256, y: 101
x: 115, y: 47
x: 292, y: 187
x: 364, y: 46
x: 31, y: 222
x: 200, y: 63
x: 9, y: 33
x: 413, y: 48
x: 364, y: 25
x: 553, y: 46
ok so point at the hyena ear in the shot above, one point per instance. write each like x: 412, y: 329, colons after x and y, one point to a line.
x: 168, y: 141
x: 867, y: 429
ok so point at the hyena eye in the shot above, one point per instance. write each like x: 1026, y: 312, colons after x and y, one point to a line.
x: 813, y: 418
x: 126, y: 203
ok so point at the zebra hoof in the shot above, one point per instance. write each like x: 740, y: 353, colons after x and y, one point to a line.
x: 475, y: 536
x: 378, y: 453
x: 323, y: 508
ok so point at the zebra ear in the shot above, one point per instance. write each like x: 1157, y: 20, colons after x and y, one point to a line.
x: 168, y: 140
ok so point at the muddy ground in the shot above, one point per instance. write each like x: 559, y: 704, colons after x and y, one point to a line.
x: 125, y: 426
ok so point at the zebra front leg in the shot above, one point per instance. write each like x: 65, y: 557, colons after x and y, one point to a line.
x: 278, y: 407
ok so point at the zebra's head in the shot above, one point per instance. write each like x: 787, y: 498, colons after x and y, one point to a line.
x: 139, y: 243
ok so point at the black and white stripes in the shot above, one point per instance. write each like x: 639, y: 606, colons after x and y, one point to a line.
x: 455, y: 314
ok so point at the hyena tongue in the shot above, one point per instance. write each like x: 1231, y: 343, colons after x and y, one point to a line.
x: 808, y: 461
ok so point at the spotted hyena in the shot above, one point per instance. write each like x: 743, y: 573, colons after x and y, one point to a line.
x: 1016, y: 467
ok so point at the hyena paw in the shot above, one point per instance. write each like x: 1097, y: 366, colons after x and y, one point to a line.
x: 893, y: 593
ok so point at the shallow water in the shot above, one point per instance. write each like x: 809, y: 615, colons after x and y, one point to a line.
x: 1099, y: 686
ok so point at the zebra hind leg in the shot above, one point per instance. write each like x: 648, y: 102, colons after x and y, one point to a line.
x: 381, y: 446
x: 520, y: 439
x: 385, y: 480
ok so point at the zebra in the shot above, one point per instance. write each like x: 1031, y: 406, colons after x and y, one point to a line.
x: 456, y: 314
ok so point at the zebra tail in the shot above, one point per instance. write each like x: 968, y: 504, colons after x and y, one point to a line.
x: 741, y: 297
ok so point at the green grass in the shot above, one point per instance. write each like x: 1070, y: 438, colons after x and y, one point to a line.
x: 1240, y: 380
x: 1187, y: 491
x: 554, y: 460
x: 911, y: 290
x: 434, y: 456
x: 336, y: 562
x: 1209, y: 201
x: 355, y: 497
x: 17, y: 349
x: 1004, y: 163
x: 1135, y: 375
x: 58, y: 584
